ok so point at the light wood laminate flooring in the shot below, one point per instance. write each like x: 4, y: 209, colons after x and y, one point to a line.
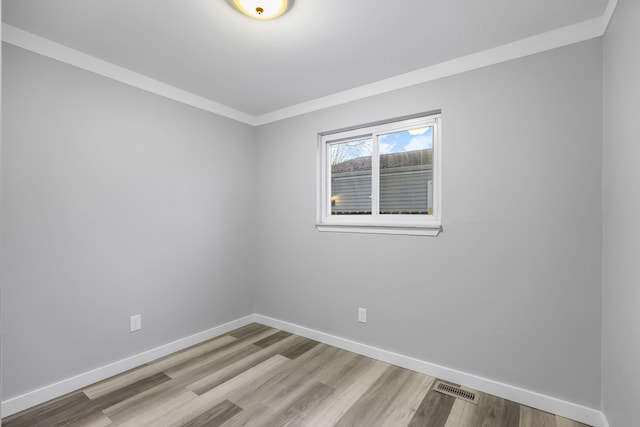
x: 260, y: 376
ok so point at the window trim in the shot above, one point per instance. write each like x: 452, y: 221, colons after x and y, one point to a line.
x: 423, y: 225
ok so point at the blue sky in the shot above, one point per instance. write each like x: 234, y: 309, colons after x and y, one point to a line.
x: 397, y: 142
x: 405, y: 141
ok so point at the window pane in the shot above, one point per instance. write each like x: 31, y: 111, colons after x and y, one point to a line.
x: 351, y: 177
x: 406, y: 172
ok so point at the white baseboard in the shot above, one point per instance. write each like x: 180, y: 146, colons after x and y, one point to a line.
x: 566, y: 409
x: 563, y: 408
x: 41, y: 395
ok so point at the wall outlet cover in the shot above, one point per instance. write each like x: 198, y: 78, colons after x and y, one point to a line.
x: 362, y: 315
x: 135, y: 323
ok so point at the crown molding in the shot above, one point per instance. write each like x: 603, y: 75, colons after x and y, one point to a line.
x: 554, y: 39
x: 608, y: 15
x: 57, y: 51
x: 550, y: 40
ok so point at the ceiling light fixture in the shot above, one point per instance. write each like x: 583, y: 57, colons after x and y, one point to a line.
x: 263, y: 9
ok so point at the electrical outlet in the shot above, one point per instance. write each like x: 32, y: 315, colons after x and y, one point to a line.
x: 135, y: 323
x: 362, y: 315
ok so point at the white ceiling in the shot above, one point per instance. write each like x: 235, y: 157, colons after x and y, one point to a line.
x: 319, y: 48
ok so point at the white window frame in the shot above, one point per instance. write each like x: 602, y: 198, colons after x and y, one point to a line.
x: 425, y: 225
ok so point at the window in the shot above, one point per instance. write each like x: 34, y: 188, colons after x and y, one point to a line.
x: 381, y: 178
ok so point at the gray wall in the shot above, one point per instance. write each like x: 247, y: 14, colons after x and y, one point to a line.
x: 116, y: 202
x: 120, y: 202
x: 621, y: 270
x: 511, y: 289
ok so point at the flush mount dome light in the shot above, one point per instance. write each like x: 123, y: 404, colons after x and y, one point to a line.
x: 263, y: 9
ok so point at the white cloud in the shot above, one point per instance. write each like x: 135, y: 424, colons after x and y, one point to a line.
x: 419, y: 142
x: 386, y: 147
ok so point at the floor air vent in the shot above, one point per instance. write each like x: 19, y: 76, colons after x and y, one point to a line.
x: 456, y: 391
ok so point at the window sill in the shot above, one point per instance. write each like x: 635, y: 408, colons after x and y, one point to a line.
x: 431, y: 230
